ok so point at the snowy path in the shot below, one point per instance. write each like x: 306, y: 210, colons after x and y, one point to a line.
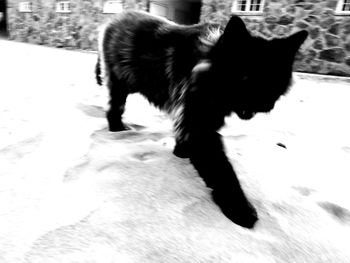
x: 72, y: 192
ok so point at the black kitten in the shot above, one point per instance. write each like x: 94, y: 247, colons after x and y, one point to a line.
x: 199, y: 80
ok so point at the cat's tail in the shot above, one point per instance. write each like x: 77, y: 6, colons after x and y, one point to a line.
x: 98, y: 71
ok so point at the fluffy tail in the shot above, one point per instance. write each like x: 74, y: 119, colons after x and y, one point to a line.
x: 98, y: 71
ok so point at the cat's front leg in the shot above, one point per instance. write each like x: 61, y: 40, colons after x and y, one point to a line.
x: 182, y: 147
x: 208, y: 157
x: 181, y: 132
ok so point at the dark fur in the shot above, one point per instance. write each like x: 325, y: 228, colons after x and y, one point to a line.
x: 178, y: 70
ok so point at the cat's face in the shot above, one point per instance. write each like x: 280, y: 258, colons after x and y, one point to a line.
x: 254, y: 71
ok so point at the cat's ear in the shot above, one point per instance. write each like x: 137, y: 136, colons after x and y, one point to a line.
x: 233, y: 43
x: 296, y: 40
x: 235, y: 30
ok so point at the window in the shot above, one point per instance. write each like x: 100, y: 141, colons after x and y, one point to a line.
x: 248, y: 7
x: 343, y: 7
x: 25, y: 7
x: 113, y: 7
x: 63, y: 7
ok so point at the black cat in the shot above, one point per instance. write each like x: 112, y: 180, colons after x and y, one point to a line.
x: 198, y: 80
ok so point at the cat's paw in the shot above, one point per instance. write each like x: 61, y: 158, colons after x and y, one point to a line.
x: 246, y: 217
x: 241, y: 212
x: 117, y: 127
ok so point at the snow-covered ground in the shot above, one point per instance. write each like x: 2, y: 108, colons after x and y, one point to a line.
x: 70, y: 191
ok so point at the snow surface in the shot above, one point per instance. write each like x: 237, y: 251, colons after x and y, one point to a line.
x: 70, y: 191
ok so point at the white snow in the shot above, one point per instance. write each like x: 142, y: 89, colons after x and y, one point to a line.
x: 70, y: 191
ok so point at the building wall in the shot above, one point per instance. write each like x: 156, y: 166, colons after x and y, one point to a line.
x: 183, y: 12
x: 75, y: 30
x: 326, y: 51
x: 78, y: 29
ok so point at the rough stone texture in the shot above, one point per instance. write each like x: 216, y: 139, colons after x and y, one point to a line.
x: 347, y: 61
x: 271, y: 20
x: 333, y: 55
x: 318, y: 44
x: 347, y: 47
x: 75, y: 30
x: 332, y: 41
x: 286, y: 20
x: 314, y: 32
x: 302, y: 25
x: 326, y: 51
x: 78, y: 29
x: 217, y: 11
x: 327, y: 23
x: 334, y: 29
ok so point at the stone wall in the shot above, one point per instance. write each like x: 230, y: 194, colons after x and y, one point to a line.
x: 75, y: 30
x: 326, y: 51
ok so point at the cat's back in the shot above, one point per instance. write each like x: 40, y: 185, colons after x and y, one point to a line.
x: 136, y: 29
x: 138, y: 18
x: 138, y: 41
x: 125, y: 27
x: 131, y: 34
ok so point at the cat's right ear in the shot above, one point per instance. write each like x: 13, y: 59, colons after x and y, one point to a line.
x: 235, y: 30
x: 297, y: 39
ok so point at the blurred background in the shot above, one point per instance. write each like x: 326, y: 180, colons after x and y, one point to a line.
x: 72, y: 192
x: 73, y: 24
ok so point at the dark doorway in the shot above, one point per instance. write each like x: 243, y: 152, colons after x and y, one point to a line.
x: 3, y: 18
x: 182, y: 12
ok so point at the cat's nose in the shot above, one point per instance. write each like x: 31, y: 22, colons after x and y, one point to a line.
x: 267, y: 107
x: 245, y: 115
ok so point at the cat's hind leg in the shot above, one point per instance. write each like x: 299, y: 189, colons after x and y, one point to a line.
x: 118, y: 92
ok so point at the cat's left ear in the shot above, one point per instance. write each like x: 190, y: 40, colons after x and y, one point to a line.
x: 296, y: 40
x: 235, y: 31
